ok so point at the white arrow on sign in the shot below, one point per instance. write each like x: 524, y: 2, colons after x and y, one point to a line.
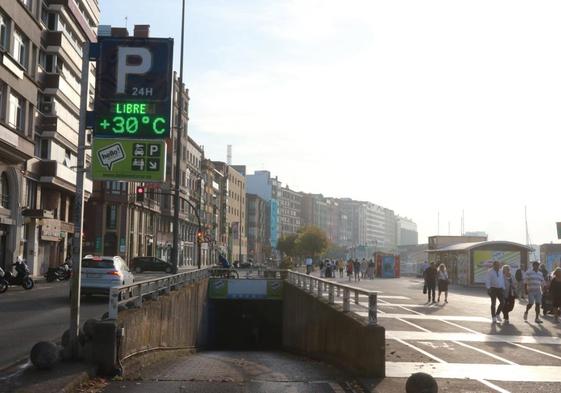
x: 153, y: 165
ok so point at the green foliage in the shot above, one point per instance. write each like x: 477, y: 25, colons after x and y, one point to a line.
x: 311, y: 241
x: 287, y: 245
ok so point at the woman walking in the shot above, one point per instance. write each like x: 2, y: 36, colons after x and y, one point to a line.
x: 442, y: 278
x: 555, y: 292
x: 350, y: 269
x: 509, y: 292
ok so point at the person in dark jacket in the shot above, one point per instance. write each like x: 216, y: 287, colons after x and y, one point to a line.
x: 430, y: 281
x: 555, y: 291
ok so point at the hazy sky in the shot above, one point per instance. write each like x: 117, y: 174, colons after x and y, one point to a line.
x: 420, y: 106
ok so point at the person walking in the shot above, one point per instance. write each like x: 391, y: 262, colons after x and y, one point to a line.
x: 350, y: 269
x: 555, y: 292
x: 509, y: 292
x: 356, y: 269
x: 442, y: 277
x: 340, y: 267
x: 519, y: 277
x: 534, y: 288
x: 430, y: 281
x: 371, y: 269
x: 363, y: 268
x: 494, y: 282
x: 309, y: 264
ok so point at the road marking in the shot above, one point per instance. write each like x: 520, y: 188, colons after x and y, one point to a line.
x: 427, y: 335
x: 414, y: 325
x: 477, y: 371
x: 501, y: 359
x: 420, y: 316
x: 430, y: 355
x: 493, y: 386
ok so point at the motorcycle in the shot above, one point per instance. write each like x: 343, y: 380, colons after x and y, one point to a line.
x: 8, y: 279
x: 59, y: 273
x: 3, y: 283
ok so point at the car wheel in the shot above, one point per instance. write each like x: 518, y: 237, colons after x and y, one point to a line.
x: 138, y: 269
x: 168, y: 269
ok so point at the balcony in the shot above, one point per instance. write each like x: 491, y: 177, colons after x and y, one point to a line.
x: 54, y: 84
x: 57, y: 174
x: 50, y: 125
x: 14, y: 147
x: 56, y: 42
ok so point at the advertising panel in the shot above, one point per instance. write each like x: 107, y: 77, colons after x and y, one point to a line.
x: 483, y: 260
x: 388, y: 266
x: 552, y: 261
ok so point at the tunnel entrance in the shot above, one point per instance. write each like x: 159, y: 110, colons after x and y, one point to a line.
x: 245, y: 325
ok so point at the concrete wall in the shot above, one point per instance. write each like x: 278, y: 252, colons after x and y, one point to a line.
x: 313, y: 328
x: 177, y: 320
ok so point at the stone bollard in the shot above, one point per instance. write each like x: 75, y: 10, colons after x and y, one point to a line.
x: 44, y: 355
x: 421, y: 383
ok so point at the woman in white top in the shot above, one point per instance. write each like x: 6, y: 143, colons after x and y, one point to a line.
x: 442, y: 277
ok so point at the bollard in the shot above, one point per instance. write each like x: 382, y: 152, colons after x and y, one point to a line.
x: 331, y: 294
x: 373, y: 309
x: 346, y: 300
x: 421, y: 383
x: 44, y: 355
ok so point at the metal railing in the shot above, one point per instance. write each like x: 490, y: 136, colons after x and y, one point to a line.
x: 134, y: 294
x: 249, y: 273
x: 330, y: 290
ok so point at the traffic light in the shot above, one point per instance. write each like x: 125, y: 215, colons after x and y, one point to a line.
x: 200, y: 236
x: 140, y: 194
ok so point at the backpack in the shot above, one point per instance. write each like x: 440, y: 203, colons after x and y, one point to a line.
x: 518, y: 275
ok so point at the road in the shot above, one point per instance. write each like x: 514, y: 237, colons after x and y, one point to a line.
x: 41, y: 314
x: 457, y: 343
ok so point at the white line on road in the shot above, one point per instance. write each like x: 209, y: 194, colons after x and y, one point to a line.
x: 500, y: 359
x: 427, y: 335
x: 430, y: 355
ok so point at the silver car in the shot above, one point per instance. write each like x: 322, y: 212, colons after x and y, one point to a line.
x: 100, y: 274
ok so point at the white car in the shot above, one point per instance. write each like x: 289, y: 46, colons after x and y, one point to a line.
x: 100, y: 274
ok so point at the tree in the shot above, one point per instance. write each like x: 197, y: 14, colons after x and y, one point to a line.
x: 287, y: 245
x: 311, y: 241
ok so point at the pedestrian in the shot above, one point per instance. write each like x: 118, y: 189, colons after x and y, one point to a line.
x: 555, y: 292
x: 442, y: 278
x: 430, y: 281
x: 509, y: 292
x: 534, y: 288
x: 363, y: 268
x: 340, y: 267
x: 350, y: 268
x: 494, y: 282
x: 424, y: 267
x: 544, y: 272
x: 309, y: 264
x: 371, y: 268
x: 356, y: 269
x: 519, y: 277
x: 321, y: 268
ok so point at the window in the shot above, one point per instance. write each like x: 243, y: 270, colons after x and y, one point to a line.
x: 111, y: 217
x: 31, y: 194
x: 16, y: 112
x: 44, y: 150
x: 4, y: 31
x: 27, y: 3
x: 4, y: 192
x: 20, y: 49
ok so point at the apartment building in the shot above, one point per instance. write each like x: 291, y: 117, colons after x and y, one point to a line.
x: 290, y: 212
x: 258, y: 248
x: 40, y: 71
x: 261, y: 183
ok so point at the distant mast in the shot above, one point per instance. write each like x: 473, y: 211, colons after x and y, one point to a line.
x: 528, y: 240
x: 229, y: 155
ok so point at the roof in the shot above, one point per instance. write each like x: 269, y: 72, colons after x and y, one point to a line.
x: 472, y: 245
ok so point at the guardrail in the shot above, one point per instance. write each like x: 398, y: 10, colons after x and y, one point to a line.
x: 249, y: 273
x: 134, y: 294
x: 330, y: 290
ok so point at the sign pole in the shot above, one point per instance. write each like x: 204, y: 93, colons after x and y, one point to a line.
x: 79, y: 206
x: 179, y: 130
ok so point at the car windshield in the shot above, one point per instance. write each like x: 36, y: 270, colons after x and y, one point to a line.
x: 97, y: 263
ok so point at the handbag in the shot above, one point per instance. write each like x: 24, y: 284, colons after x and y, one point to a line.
x: 425, y: 289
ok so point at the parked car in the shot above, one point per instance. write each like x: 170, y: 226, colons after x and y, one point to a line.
x: 100, y: 274
x: 140, y: 264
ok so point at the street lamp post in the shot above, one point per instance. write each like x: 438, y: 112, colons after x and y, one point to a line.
x: 179, y: 130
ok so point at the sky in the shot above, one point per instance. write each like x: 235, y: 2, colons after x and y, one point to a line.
x: 429, y: 108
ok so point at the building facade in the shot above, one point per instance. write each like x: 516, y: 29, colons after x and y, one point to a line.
x: 290, y: 212
x: 406, y: 231
x: 40, y: 82
x: 258, y: 248
x: 262, y: 184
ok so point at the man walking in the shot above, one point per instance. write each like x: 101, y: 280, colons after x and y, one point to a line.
x: 534, y: 285
x: 495, y: 284
x: 430, y: 281
x: 309, y: 264
x: 519, y: 277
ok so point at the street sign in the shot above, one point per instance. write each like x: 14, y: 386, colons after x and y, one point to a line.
x: 129, y: 159
x: 133, y: 88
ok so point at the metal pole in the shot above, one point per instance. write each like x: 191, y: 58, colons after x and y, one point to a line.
x: 179, y: 130
x: 79, y: 205
x: 241, y: 225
